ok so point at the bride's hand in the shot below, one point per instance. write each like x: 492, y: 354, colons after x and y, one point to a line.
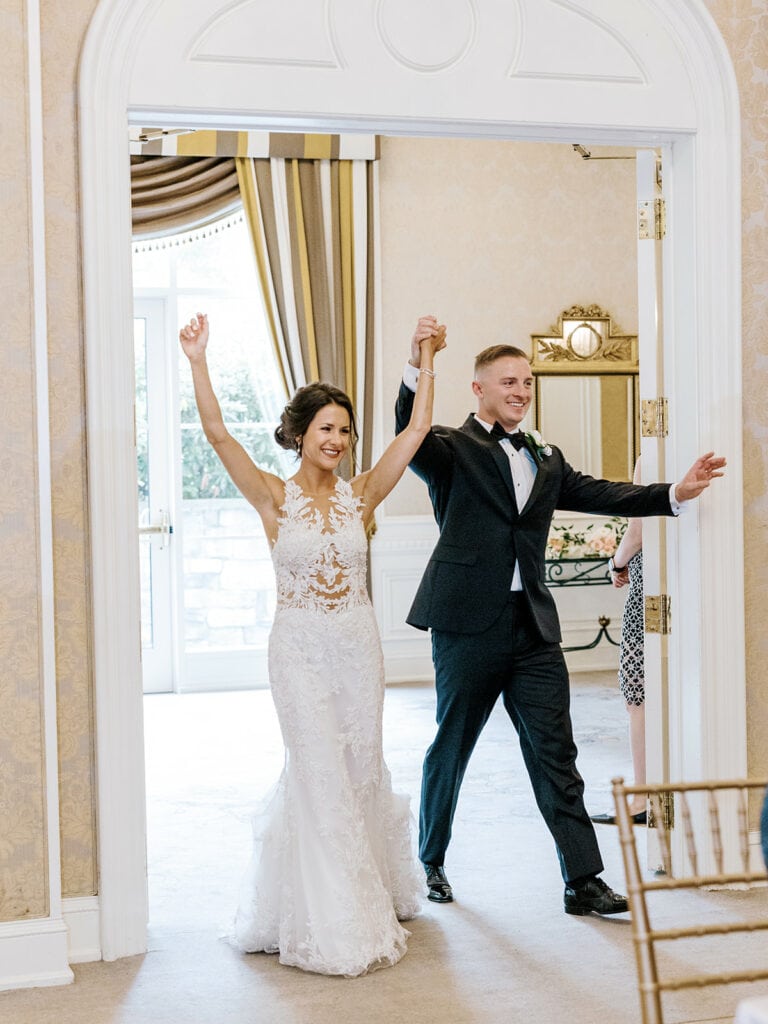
x: 194, y: 337
x: 426, y: 327
x: 435, y: 341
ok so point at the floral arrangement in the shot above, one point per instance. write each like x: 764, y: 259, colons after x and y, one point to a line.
x: 597, y: 540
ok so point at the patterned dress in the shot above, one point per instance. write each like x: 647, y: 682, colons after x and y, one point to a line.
x: 334, y: 870
x: 631, y: 662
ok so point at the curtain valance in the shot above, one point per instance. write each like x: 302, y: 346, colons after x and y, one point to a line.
x: 287, y: 145
x: 170, y: 194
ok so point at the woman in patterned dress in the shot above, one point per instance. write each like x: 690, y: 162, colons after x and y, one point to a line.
x: 626, y: 567
x: 333, y: 872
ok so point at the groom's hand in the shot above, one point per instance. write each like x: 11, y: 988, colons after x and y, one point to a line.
x: 699, y: 477
x: 427, y: 327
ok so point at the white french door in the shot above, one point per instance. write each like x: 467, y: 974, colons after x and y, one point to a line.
x: 654, y: 468
x: 156, y: 504
x: 207, y: 583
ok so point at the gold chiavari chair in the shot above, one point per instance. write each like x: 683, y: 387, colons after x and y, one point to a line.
x: 716, y: 853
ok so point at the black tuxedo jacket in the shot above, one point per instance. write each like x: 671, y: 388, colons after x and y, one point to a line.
x: 482, y: 533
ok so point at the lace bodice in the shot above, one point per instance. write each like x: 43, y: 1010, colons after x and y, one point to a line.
x: 320, y: 564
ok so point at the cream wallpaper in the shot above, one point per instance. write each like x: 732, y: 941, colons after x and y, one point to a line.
x: 744, y: 26
x: 22, y: 797
x: 496, y: 239
x: 63, y: 29
x: 496, y: 268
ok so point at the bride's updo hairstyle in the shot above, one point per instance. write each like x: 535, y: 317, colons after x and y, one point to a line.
x: 302, y: 409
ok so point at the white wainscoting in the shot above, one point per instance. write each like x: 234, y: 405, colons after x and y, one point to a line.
x: 34, y: 954
x: 399, y: 553
x: 81, y: 916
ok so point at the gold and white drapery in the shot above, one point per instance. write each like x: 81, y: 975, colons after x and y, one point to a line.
x: 177, y: 193
x: 309, y: 203
x: 312, y: 225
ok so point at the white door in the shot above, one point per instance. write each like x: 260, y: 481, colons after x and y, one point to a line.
x: 155, y: 495
x: 207, y: 583
x: 651, y: 352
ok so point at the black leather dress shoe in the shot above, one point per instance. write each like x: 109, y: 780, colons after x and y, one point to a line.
x: 641, y: 818
x: 439, y: 888
x: 593, y: 897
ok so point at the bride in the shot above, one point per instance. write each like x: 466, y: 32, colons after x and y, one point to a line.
x: 333, y: 872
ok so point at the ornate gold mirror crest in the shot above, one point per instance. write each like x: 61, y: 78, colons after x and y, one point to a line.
x: 583, y: 341
x: 587, y: 391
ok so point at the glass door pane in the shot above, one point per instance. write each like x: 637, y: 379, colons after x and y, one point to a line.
x: 153, y: 440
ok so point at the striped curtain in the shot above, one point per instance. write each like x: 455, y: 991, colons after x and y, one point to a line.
x: 177, y: 193
x: 309, y: 203
x: 312, y: 224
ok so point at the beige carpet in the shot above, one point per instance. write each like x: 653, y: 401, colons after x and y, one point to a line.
x: 503, y: 952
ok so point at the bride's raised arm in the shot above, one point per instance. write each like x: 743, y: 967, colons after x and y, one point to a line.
x: 263, y: 490
x: 374, y: 485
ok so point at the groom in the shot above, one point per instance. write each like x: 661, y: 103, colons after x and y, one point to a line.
x: 495, y: 630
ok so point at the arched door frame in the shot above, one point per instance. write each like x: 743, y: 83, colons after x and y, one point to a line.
x: 702, y: 381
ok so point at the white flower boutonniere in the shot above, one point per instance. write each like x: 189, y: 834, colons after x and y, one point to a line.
x: 538, y: 444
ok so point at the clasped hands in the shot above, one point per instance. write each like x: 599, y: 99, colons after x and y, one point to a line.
x: 428, y: 331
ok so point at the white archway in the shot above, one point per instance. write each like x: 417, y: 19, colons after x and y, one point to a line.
x: 635, y: 72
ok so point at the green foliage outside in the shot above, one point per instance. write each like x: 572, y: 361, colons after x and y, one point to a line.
x: 203, y: 475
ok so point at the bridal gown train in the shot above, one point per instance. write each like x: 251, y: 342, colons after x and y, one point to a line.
x: 333, y: 871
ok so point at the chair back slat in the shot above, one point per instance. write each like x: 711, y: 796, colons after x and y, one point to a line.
x: 714, y: 850
x: 690, y: 836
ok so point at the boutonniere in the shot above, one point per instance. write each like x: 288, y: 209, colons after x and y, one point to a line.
x: 537, y: 444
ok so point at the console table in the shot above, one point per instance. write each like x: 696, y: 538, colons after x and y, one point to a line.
x: 581, y: 572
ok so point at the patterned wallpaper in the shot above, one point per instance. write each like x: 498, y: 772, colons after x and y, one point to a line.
x: 744, y: 24
x: 63, y: 29
x: 22, y: 800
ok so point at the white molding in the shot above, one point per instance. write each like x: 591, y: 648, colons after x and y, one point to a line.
x: 706, y: 311
x: 399, y: 553
x: 82, y: 919
x: 34, y: 954
x: 106, y: 256
x: 37, y: 953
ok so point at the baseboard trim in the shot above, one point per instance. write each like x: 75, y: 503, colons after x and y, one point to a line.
x: 81, y: 916
x: 33, y: 954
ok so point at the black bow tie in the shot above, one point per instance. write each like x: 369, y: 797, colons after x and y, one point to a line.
x: 517, y: 437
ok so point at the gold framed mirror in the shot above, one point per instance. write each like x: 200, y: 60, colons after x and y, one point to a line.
x: 587, y: 391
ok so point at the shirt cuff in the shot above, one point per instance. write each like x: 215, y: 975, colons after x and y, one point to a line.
x: 678, y: 507
x: 411, y: 376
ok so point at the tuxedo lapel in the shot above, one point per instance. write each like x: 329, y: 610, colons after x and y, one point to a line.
x: 541, y: 472
x: 500, y: 457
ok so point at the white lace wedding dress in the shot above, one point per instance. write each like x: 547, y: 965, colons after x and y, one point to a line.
x: 333, y: 871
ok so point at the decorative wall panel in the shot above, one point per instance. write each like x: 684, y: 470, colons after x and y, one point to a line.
x: 23, y: 888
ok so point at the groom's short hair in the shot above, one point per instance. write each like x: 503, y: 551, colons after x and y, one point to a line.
x: 490, y: 355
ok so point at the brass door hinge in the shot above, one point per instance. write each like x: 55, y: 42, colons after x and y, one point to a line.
x: 654, y: 417
x: 652, y: 219
x: 667, y: 807
x: 658, y: 614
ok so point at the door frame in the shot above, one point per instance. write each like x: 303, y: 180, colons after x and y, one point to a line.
x: 161, y: 409
x: 703, y: 372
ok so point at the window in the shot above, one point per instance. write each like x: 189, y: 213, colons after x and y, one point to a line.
x: 220, y: 564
